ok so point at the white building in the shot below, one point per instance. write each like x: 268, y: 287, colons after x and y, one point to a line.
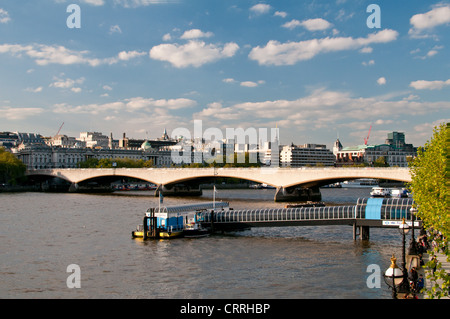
x: 306, y: 155
x: 41, y: 156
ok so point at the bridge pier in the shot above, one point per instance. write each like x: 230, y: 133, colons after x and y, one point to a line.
x: 363, y: 232
x: 297, y: 194
x: 73, y: 188
x: 179, y: 190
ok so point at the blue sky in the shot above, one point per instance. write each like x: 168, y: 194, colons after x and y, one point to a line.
x: 314, y: 69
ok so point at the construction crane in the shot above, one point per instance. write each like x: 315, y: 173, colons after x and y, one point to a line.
x: 367, y: 138
x: 59, y: 129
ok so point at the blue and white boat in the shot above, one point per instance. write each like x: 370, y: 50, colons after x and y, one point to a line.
x: 176, y: 221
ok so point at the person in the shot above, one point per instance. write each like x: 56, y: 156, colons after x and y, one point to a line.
x: 420, y: 283
x: 434, y: 264
x: 412, y: 277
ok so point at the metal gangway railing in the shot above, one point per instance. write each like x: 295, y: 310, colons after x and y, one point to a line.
x: 366, y: 209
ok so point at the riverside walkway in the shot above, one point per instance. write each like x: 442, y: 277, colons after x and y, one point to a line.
x: 441, y: 258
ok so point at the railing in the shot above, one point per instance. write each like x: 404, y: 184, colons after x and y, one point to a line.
x: 283, y: 214
x: 389, y: 209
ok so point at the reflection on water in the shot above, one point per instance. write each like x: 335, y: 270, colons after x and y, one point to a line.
x: 41, y: 234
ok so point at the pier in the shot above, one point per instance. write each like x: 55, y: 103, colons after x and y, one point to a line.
x: 367, y: 213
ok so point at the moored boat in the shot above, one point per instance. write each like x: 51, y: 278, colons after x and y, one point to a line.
x: 176, y: 221
x: 379, y: 192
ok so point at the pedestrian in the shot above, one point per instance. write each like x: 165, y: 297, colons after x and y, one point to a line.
x: 413, y: 276
x: 420, y: 283
x: 434, y: 263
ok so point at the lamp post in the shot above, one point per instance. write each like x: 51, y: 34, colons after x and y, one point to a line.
x: 393, y: 277
x: 413, y: 258
x: 404, y: 229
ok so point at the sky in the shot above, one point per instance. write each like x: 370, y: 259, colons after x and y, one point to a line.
x: 317, y: 70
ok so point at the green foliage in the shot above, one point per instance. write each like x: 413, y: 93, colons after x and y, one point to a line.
x: 115, y: 163
x: 11, y: 168
x: 429, y: 185
x: 380, y: 162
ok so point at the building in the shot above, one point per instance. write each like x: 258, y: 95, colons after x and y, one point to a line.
x: 41, y: 156
x: 8, y: 139
x: 94, y: 139
x: 306, y: 155
x: 395, y: 152
x: 65, y: 141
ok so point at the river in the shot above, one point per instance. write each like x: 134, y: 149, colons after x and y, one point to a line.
x: 42, y: 233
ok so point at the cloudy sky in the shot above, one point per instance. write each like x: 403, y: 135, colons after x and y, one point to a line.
x: 314, y: 69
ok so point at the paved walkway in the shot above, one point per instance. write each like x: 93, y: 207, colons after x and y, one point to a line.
x: 445, y: 265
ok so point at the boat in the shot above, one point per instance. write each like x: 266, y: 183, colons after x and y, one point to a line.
x: 399, y: 192
x: 379, y: 192
x: 164, y: 222
x: 193, y: 227
x: 307, y: 204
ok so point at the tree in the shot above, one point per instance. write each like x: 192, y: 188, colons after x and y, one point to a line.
x: 11, y: 168
x: 429, y: 186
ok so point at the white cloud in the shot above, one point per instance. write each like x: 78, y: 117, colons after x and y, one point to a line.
x: 115, y: 29
x: 289, y: 53
x: 4, y: 16
x: 429, y: 85
x: 366, y: 50
x: 68, y: 84
x: 195, y: 34
x: 423, y: 22
x: 167, y: 37
x: 318, y: 24
x: 370, y: 62
x: 251, y: 84
x: 95, y: 2
x: 260, y: 8
x: 127, y: 55
x: 320, y: 109
x: 136, y: 104
x: 229, y: 80
x: 19, y: 113
x: 280, y: 14
x: 195, y: 53
x: 107, y: 88
x: 292, y: 24
x: 139, y: 103
x: 381, y: 81
x: 34, y: 90
x: 141, y: 3
x: 46, y: 54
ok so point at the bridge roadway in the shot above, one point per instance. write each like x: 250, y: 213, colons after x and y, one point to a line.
x: 291, y: 183
x: 371, y: 212
x: 277, y: 177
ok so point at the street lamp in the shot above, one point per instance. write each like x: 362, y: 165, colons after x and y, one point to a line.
x: 413, y: 259
x: 393, y: 277
x: 404, y: 229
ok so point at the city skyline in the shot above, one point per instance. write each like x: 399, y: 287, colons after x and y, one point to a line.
x: 315, y: 70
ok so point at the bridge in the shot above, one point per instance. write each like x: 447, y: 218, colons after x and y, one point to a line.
x: 290, y: 182
x: 368, y: 212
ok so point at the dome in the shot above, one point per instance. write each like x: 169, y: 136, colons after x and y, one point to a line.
x: 146, y: 146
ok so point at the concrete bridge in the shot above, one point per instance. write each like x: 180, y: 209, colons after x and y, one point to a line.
x: 289, y: 182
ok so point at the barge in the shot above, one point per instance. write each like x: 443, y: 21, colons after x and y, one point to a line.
x: 165, y: 222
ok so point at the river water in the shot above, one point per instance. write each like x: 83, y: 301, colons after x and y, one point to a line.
x: 41, y: 234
